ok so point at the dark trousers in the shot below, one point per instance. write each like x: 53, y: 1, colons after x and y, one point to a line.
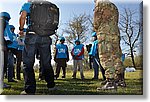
x: 11, y: 72
x: 32, y: 43
x: 10, y: 66
x: 61, y: 63
x: 96, y: 66
x: 58, y: 71
x: 19, y: 60
x: 5, y: 61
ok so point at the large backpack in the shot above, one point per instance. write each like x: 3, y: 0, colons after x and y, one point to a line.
x: 44, y: 18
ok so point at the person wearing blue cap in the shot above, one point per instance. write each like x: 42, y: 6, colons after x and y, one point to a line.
x: 78, y: 56
x: 12, y: 50
x: 4, y: 23
x: 95, y: 56
x: 61, y: 58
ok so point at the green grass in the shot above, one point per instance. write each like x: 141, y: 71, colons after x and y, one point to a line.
x: 69, y: 86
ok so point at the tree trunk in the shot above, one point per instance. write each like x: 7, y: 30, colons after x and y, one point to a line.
x: 132, y: 56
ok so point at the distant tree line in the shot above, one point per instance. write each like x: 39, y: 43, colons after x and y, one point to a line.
x: 138, y: 62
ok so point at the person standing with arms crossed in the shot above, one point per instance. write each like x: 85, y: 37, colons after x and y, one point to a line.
x: 78, y: 56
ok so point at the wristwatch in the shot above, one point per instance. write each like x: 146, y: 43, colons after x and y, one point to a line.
x: 21, y: 29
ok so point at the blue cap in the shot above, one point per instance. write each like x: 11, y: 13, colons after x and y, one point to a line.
x: 62, y: 39
x: 5, y: 14
x: 11, y: 27
x: 77, y: 40
x: 94, y: 34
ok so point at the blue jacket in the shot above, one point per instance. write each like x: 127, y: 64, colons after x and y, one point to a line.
x: 78, y: 51
x: 61, y: 51
x: 94, y: 49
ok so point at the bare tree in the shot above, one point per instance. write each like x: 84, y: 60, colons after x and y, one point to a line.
x: 130, y: 27
x: 77, y: 28
x: 57, y: 35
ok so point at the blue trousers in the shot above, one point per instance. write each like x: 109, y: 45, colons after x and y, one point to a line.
x: 96, y: 68
x: 10, y: 66
x: 32, y: 43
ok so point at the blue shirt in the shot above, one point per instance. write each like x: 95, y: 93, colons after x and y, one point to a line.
x: 26, y: 7
x: 61, y: 51
x: 94, y: 49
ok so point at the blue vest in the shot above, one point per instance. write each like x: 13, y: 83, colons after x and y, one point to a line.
x: 61, y: 51
x: 14, y: 44
x: 94, y: 48
x: 123, y: 57
x: 21, y: 40
x: 7, y: 33
x: 78, y: 49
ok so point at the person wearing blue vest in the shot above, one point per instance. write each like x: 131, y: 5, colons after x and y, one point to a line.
x: 61, y: 58
x: 33, y: 42
x: 78, y: 56
x: 95, y: 56
x: 20, y: 48
x: 12, y: 50
x: 4, y: 22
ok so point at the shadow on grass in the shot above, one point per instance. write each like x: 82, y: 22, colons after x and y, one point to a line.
x: 79, y: 87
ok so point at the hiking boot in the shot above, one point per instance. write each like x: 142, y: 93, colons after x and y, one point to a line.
x: 55, y: 77
x: 41, y: 77
x: 94, y: 78
x: 104, y: 82
x: 63, y: 77
x: 108, y: 86
x: 52, y: 89
x: 121, y: 83
x: 82, y: 78
x: 5, y: 86
x: 25, y: 93
x: 74, y: 76
x: 12, y: 81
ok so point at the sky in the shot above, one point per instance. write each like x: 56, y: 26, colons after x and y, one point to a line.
x: 67, y: 10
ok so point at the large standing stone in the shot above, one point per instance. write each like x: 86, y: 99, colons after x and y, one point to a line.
x: 106, y: 25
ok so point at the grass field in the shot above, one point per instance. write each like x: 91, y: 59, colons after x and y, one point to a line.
x: 70, y: 86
